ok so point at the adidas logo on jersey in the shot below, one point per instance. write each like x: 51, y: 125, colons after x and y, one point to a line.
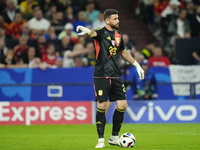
x: 109, y: 38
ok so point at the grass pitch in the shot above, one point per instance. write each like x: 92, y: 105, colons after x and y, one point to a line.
x: 84, y: 137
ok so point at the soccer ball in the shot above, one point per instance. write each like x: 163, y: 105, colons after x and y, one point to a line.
x: 127, y: 140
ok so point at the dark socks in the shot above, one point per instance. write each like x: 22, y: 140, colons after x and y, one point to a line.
x: 117, y: 121
x: 100, y: 122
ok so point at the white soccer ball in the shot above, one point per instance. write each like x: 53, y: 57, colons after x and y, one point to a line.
x: 127, y: 140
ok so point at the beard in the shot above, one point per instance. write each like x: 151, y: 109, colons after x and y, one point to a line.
x: 114, y: 26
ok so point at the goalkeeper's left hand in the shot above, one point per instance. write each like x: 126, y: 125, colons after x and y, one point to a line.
x: 83, y: 30
x: 139, y: 70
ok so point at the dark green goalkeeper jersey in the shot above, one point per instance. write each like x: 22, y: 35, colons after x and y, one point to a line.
x: 107, y: 45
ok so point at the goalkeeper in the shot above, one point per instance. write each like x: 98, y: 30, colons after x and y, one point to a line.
x: 107, y: 78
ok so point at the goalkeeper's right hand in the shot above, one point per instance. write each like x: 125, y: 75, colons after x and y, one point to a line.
x: 83, y: 30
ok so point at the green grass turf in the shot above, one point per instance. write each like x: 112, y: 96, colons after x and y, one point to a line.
x: 84, y: 137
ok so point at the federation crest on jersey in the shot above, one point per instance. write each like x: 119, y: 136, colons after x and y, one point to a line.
x: 100, y: 92
x: 117, y: 39
x: 113, y: 42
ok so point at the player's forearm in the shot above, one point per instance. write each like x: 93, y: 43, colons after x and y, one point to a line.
x: 125, y: 55
x: 92, y: 33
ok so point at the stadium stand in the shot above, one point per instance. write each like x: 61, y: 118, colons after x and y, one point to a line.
x: 160, y: 22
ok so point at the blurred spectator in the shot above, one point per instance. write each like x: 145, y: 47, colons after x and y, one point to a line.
x: 3, y: 34
x: 42, y: 45
x: 5, y: 25
x: 3, y: 49
x: 196, y: 55
x: 195, y: 23
x: 160, y: 6
x: 85, y: 2
x: 183, y: 3
x: 91, y: 57
x: 171, y: 9
x: 169, y: 13
x: 68, y: 61
x: 130, y: 48
x: 138, y: 57
x: 178, y: 27
x: 19, y: 64
x: 69, y: 31
x: 51, y: 35
x: 149, y: 14
x: 35, y: 63
x: 187, y: 34
x: 59, y: 62
x: 91, y: 14
x: 2, y: 65
x: 99, y: 22
x: 78, y: 61
x: 10, y: 11
x: 196, y: 2
x: 38, y: 24
x: 127, y: 42
x: 64, y: 46
x: 26, y: 8
x: 158, y: 60
x: 145, y: 89
x: 58, y: 22
x: 35, y: 8
x: 63, y: 4
x: 21, y: 47
x: 50, y: 57
x: 82, y: 40
x: 25, y: 32
x: 190, y: 7
x: 81, y: 20
x: 52, y: 11
x: 45, y: 6
x: 9, y: 58
x: 89, y: 26
x: 29, y: 57
x: 148, y: 50
x: 2, y: 5
x: 69, y: 15
x: 16, y: 25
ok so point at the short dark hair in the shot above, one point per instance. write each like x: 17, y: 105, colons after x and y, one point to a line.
x: 18, y: 13
x: 108, y: 12
x: 149, y: 42
x: 34, y: 6
x: 180, y: 10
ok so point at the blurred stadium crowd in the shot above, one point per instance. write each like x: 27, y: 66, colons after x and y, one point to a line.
x: 42, y: 33
x: 170, y: 20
